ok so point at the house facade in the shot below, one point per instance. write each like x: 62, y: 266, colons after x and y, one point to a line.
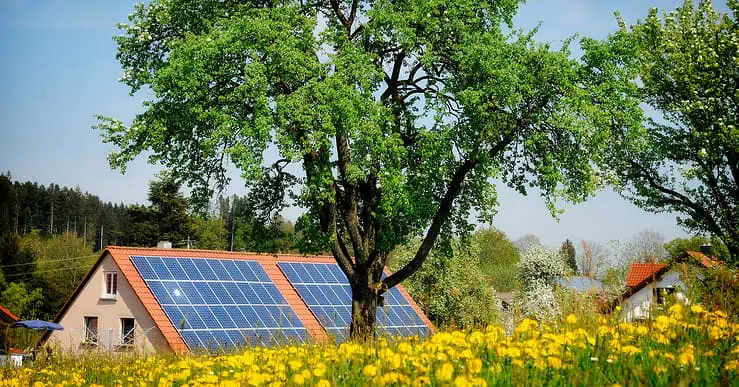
x: 106, y: 314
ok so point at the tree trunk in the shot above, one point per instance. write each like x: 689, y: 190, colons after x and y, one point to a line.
x: 364, y: 314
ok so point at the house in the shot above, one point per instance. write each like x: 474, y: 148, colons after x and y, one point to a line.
x: 177, y: 300
x: 649, y: 284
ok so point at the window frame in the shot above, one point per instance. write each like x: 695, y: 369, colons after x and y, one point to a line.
x: 661, y: 294
x: 127, y: 339
x: 91, y: 338
x: 110, y: 285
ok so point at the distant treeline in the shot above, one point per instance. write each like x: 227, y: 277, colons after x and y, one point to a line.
x: 53, y: 210
x: 50, y: 236
x: 232, y: 223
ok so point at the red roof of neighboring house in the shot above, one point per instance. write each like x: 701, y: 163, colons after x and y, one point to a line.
x: 122, y: 257
x: 6, y: 317
x: 703, y: 259
x: 643, y: 272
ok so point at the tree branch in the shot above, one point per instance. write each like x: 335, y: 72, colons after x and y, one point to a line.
x: 445, y: 207
x: 340, y: 14
x: 676, y: 198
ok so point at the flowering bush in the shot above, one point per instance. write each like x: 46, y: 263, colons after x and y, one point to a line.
x: 686, y: 346
x: 538, y: 301
x: 537, y: 271
x: 539, y: 266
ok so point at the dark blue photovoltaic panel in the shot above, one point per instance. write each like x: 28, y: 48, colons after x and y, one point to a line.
x: 217, y: 304
x: 326, y: 291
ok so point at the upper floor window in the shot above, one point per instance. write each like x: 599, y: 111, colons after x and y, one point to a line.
x: 111, y: 284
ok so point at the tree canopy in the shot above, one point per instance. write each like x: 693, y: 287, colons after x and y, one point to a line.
x: 685, y: 156
x: 397, y: 113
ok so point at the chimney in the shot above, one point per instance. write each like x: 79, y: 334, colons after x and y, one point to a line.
x: 707, y: 249
x: 164, y: 244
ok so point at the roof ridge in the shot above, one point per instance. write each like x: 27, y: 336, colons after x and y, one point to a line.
x: 122, y: 248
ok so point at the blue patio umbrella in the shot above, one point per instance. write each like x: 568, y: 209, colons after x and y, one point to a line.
x: 38, y: 324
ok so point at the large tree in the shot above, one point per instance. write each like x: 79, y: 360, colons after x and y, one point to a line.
x: 684, y: 155
x: 398, y: 114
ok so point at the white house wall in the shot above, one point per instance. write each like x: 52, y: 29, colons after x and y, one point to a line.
x: 90, y: 302
x: 639, y: 305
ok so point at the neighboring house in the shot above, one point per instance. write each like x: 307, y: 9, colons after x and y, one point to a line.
x: 649, y: 284
x: 12, y: 356
x: 506, y: 300
x: 580, y: 284
x: 177, y: 300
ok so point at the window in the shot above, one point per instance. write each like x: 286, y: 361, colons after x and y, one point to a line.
x: 661, y: 294
x: 111, y: 285
x: 91, y: 330
x: 127, y: 329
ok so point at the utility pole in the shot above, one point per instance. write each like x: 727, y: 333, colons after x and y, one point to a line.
x: 51, y: 224
x: 101, y: 237
x: 17, y: 214
x: 84, y: 238
x: 233, y: 222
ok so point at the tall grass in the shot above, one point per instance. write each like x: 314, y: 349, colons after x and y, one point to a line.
x: 684, y: 346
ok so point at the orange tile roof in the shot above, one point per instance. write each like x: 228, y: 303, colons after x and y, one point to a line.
x: 703, y: 259
x: 643, y: 273
x: 122, y: 258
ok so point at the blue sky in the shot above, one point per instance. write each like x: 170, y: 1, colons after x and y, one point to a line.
x: 58, y: 69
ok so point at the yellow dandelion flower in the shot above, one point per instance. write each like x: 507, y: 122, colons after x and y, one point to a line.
x: 474, y: 366
x: 555, y: 362
x: 732, y: 365
x: 298, y: 379
x: 369, y: 370
x: 686, y: 357
x: 630, y: 349
x: 461, y: 381
x: 295, y: 365
x: 696, y: 309
x: 445, y: 372
x: 571, y: 319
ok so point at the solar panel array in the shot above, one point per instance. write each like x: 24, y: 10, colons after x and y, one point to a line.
x: 216, y: 304
x: 326, y: 291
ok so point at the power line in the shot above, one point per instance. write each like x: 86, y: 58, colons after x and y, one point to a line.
x: 51, y: 260
x: 47, y: 271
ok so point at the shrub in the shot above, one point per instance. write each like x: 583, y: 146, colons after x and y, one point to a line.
x: 450, y: 287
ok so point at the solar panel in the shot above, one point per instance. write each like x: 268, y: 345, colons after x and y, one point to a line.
x: 218, y: 304
x: 326, y: 291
